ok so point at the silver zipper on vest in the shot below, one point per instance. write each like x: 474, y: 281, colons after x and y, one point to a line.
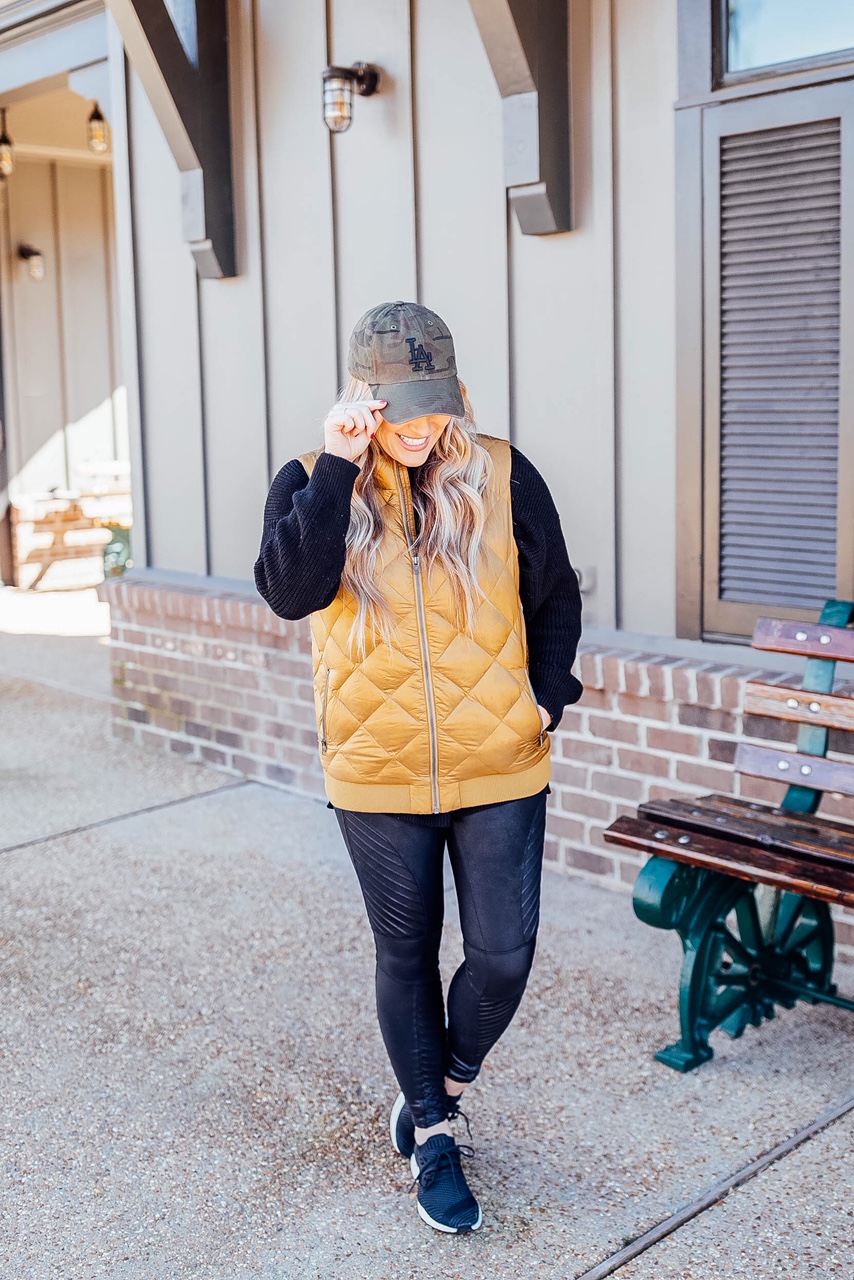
x: 323, y: 711
x: 425, y: 652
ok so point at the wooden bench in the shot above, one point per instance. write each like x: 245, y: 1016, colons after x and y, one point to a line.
x: 747, y: 886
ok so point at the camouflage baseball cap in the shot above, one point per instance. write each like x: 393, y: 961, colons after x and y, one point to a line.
x: 406, y: 354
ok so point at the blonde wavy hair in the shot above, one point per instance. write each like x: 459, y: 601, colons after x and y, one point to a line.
x: 450, y: 509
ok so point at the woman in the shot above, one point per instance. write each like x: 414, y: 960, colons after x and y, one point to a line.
x: 445, y: 618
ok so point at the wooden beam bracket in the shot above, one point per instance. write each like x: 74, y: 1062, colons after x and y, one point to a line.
x: 527, y: 43
x: 182, y: 62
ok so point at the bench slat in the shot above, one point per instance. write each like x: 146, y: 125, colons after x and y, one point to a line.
x: 797, y: 875
x: 785, y: 702
x: 782, y: 636
x: 749, y: 827
x: 795, y: 768
x: 769, y: 813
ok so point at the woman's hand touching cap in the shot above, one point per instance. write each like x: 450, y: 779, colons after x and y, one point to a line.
x: 349, y: 427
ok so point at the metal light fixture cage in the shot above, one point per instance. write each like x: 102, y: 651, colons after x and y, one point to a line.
x: 338, y: 85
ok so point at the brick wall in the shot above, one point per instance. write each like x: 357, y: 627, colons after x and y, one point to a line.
x: 216, y: 676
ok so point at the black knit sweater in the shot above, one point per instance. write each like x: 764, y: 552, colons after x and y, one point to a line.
x: 302, y: 555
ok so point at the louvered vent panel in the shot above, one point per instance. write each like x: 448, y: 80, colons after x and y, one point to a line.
x: 780, y: 212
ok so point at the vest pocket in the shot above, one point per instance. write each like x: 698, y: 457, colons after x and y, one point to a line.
x: 323, y: 702
x: 542, y: 734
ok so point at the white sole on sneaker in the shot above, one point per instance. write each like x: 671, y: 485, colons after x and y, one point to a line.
x: 399, y: 1104
x: 431, y: 1222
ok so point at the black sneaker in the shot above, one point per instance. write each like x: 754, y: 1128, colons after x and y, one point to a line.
x: 402, y: 1126
x: 444, y: 1200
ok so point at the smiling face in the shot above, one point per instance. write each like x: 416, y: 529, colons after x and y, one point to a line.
x: 410, y: 442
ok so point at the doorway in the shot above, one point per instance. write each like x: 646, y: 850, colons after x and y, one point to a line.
x: 65, y: 498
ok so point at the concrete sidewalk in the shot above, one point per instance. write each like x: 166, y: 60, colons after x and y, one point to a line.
x: 193, y: 1082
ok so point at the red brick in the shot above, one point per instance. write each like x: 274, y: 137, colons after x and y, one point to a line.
x: 732, y: 692
x: 644, y: 763
x: 767, y: 729
x: 628, y: 870
x: 226, y: 738
x: 183, y: 706
x: 596, y: 835
x: 594, y: 700
x: 613, y: 668
x: 213, y: 755
x: 181, y: 747
x: 167, y: 720
x: 683, y: 674
x: 209, y: 713
x: 568, y: 775
x: 195, y: 730
x: 643, y: 708
x: 613, y: 784
x: 586, y: 860
x: 707, y: 718
x: 592, y: 752
x: 249, y: 724
x: 658, y: 674
x: 246, y: 764
x: 661, y: 792
x: 838, y: 807
x: 672, y: 740
x: 564, y: 828
x: 137, y: 714
x: 261, y: 705
x: 764, y: 789
x: 571, y: 722
x: 844, y: 933
x: 704, y: 775
x: 634, y: 676
x: 551, y: 849
x: 591, y: 670
x: 616, y: 730
x: 709, y: 686
x: 722, y: 749
x: 589, y: 806
x: 278, y: 773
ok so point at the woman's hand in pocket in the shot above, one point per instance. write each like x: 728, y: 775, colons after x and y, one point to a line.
x: 545, y: 716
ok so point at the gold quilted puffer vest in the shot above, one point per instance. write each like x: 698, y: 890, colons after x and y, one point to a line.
x: 439, y: 720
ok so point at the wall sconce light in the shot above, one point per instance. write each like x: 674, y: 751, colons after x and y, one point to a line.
x: 97, y: 130
x: 338, y: 85
x: 7, y: 159
x: 34, y: 260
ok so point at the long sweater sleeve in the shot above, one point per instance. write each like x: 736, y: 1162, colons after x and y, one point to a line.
x: 303, y: 550
x: 548, y: 587
x: 303, y: 547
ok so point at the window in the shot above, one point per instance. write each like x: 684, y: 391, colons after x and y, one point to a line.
x: 776, y: 534
x: 765, y: 33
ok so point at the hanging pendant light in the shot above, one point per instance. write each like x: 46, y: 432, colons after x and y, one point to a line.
x: 97, y: 130
x: 7, y: 159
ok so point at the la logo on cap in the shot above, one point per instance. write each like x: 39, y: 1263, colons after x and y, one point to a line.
x: 419, y: 359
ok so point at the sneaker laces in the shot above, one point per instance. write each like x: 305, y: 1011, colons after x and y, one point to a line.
x: 429, y: 1165
x: 455, y: 1110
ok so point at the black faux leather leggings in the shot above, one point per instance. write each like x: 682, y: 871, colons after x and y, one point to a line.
x: 496, y: 855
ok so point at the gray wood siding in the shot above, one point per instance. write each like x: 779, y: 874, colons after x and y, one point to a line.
x: 170, y: 351
x: 410, y: 202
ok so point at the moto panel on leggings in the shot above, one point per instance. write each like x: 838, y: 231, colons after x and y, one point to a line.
x: 496, y: 855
